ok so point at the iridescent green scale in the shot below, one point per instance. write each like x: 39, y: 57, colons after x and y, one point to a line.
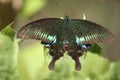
x: 71, y: 35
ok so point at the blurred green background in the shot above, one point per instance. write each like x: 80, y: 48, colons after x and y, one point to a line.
x: 31, y: 62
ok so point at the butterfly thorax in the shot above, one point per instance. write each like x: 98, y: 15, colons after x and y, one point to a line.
x: 65, y: 35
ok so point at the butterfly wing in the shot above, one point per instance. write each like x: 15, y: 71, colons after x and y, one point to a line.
x: 88, y: 32
x: 43, y: 29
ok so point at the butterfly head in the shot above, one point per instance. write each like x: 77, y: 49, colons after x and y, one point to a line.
x: 66, y: 18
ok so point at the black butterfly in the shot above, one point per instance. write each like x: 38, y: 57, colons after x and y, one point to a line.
x: 72, y: 35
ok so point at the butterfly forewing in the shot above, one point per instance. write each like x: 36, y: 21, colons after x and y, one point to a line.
x: 49, y: 28
x: 90, y: 32
x: 43, y: 29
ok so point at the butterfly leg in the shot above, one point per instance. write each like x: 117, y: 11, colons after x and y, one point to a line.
x: 75, y: 57
x: 55, y: 57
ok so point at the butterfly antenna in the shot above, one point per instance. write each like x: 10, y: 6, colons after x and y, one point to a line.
x: 20, y: 41
x: 44, y: 51
x: 84, y: 17
x: 85, y: 54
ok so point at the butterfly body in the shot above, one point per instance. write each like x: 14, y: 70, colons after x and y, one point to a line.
x: 71, y: 35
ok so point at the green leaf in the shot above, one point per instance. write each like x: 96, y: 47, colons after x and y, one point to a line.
x: 9, y: 31
x: 95, y: 48
x: 8, y: 58
x: 116, y: 71
x: 95, y: 67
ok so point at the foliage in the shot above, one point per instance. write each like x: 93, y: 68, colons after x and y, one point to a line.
x: 116, y: 71
x: 94, y: 67
x: 9, y: 31
x: 8, y: 55
x: 95, y: 48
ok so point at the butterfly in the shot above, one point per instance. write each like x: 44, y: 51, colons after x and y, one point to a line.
x: 60, y: 35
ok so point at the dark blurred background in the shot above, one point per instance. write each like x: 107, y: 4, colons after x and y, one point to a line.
x: 104, y: 12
